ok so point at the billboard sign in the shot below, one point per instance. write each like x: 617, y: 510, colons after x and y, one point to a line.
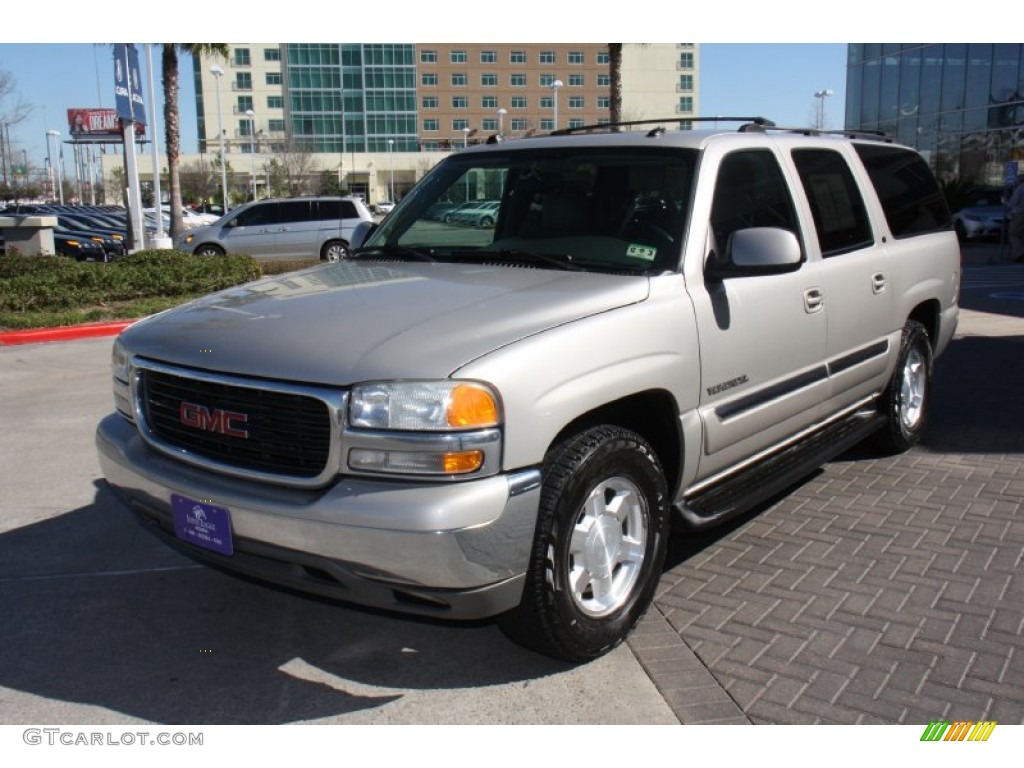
x: 128, y: 100
x: 97, y: 124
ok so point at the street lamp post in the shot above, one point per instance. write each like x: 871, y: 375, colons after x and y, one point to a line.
x: 501, y: 121
x: 218, y: 72
x: 555, y: 85
x: 391, y: 166
x: 58, y: 177
x: 821, y: 96
x: 252, y: 149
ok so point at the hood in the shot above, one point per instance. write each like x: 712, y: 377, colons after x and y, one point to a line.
x: 360, y: 321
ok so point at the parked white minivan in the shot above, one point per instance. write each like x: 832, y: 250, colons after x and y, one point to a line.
x: 285, y: 228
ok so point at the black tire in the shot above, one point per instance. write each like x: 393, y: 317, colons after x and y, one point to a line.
x: 907, y: 397
x: 208, y: 249
x: 334, y: 250
x: 593, y: 573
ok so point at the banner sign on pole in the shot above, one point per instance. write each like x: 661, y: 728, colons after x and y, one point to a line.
x: 128, y: 99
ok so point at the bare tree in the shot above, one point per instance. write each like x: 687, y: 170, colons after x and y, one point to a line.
x: 294, y: 171
x: 199, y: 180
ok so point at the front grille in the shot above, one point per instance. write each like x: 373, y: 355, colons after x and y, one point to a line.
x: 288, y: 434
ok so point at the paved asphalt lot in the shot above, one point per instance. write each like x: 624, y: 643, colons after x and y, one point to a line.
x: 880, y: 590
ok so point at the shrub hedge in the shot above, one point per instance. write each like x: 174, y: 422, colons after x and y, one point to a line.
x: 56, y: 283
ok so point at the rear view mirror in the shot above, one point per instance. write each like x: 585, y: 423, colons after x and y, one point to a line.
x: 361, y: 234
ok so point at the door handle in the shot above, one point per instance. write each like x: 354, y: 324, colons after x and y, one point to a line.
x: 879, y: 282
x: 814, y: 300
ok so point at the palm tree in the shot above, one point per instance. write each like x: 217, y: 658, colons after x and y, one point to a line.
x: 615, y: 82
x: 172, y: 127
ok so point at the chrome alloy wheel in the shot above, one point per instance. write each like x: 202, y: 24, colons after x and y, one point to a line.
x: 606, y: 550
x: 913, y: 388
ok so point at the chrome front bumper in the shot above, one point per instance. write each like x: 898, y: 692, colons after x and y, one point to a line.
x: 445, y: 549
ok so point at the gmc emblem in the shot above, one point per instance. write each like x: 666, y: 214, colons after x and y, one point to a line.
x: 218, y: 420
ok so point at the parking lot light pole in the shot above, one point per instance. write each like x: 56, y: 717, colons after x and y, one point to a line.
x: 252, y: 149
x: 555, y: 85
x: 217, y: 71
x: 57, y: 177
x: 821, y: 96
x: 391, y: 166
x: 501, y: 121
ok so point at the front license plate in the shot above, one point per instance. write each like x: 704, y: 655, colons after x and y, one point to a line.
x: 202, y: 524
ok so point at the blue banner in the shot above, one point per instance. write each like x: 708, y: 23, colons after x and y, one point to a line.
x: 128, y: 100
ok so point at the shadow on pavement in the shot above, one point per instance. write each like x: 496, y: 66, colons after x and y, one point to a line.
x: 96, y: 611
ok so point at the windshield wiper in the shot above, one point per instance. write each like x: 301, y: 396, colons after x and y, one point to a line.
x: 393, y: 251
x: 557, y: 260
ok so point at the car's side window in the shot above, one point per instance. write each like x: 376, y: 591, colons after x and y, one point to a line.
x: 255, y: 216
x: 293, y: 211
x: 910, y: 196
x: 751, y: 191
x: 837, y: 207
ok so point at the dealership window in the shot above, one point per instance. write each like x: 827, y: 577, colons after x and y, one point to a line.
x: 428, y: 78
x: 243, y: 81
x: 517, y: 80
x: 275, y: 102
x: 431, y: 124
x: 271, y: 54
x: 490, y: 80
x: 241, y: 57
x: 274, y: 78
x: 428, y: 56
x: 458, y: 57
x: 546, y: 57
x: 517, y: 57
x: 459, y: 79
x: 488, y: 57
x: 429, y: 102
x: 275, y: 126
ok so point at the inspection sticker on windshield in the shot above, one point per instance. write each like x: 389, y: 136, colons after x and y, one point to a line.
x: 641, y: 252
x: 202, y: 524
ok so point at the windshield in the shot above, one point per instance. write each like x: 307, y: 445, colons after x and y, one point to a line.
x: 619, y: 209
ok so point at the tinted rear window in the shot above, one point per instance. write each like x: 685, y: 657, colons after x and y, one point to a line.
x: 910, y: 195
x: 337, y: 209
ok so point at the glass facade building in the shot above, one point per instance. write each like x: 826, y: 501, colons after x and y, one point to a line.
x: 350, y: 97
x: 960, y: 104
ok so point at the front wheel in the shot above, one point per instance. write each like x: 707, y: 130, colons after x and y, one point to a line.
x: 334, y: 250
x: 208, y: 249
x: 905, y: 401
x: 599, y: 546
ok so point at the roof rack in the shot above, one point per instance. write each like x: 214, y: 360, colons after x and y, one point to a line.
x: 750, y: 124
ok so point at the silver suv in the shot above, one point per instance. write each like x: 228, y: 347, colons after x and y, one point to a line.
x: 660, y: 328
x: 288, y: 228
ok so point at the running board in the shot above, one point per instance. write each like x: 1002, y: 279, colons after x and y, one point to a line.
x: 745, y: 489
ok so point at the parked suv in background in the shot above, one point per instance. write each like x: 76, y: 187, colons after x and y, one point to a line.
x: 287, y: 228
x: 661, y: 327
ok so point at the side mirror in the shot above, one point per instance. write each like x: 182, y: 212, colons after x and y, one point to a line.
x: 361, y: 234
x: 756, y: 251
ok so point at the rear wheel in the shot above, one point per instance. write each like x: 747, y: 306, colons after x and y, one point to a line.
x: 905, y: 401
x: 599, y: 547
x: 334, y: 250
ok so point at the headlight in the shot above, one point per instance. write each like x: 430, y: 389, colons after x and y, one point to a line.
x: 424, y: 406
x: 120, y: 368
x: 445, y: 429
x: 187, y: 239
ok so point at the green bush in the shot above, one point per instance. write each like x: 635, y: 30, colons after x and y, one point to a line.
x: 55, y: 283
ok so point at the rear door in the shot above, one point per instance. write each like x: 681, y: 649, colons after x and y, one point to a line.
x: 856, y: 278
x: 298, y: 234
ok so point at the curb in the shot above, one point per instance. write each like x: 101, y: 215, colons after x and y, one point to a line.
x: 66, y: 333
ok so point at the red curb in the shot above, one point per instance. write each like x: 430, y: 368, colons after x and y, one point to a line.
x: 68, y: 333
